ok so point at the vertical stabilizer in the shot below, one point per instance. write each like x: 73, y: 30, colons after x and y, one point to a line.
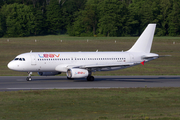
x: 144, y: 42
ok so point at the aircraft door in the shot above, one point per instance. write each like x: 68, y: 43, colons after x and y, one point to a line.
x: 33, y: 59
x: 73, y: 59
x: 131, y: 57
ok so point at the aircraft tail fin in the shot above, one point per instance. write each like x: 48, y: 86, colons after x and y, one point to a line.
x: 144, y: 42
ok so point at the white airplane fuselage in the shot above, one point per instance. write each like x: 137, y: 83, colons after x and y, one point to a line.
x: 82, y: 64
x: 50, y: 61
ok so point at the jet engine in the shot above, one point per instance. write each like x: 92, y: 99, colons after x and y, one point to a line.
x: 77, y: 73
x: 48, y: 73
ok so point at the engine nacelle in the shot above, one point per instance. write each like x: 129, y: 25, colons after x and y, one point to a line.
x: 48, y: 73
x: 77, y: 73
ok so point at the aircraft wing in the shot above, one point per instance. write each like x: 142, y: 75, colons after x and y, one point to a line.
x: 64, y: 67
x: 104, y: 65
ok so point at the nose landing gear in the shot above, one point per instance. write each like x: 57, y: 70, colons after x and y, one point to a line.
x: 29, y: 76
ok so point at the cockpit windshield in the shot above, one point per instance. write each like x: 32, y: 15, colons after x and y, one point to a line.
x: 19, y: 59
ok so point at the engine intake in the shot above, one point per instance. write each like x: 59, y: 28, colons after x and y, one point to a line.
x: 77, y: 73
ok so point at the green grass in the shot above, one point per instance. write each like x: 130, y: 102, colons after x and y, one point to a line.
x: 161, y: 46
x: 92, y: 104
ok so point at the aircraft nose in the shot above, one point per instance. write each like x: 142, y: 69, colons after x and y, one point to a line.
x: 11, y: 65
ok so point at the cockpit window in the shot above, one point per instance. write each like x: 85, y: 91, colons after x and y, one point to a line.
x: 19, y: 59
x: 16, y: 59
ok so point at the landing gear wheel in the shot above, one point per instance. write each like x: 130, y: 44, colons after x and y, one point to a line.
x: 28, y: 78
x: 90, y: 78
x: 70, y: 78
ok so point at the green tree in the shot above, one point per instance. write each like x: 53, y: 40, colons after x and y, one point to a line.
x: 121, y: 19
x: 19, y: 19
x: 86, y: 21
x: 142, y: 12
x: 70, y: 9
x: 1, y: 3
x: 2, y: 25
x: 54, y: 17
x: 174, y: 18
x: 112, y: 18
x: 40, y: 23
x: 165, y: 7
x: 107, y: 21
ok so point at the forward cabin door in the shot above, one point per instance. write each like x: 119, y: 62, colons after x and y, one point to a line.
x: 73, y: 60
x: 33, y: 59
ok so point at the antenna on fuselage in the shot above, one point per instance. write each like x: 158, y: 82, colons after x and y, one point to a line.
x: 31, y: 51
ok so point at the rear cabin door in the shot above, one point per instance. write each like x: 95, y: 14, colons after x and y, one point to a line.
x: 131, y: 57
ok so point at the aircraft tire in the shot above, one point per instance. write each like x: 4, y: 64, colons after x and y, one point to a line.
x: 90, y: 78
x: 28, y: 78
x: 70, y: 78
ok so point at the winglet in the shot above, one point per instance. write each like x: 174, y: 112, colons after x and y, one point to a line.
x: 142, y: 62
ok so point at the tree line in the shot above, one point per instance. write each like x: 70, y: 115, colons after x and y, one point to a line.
x: 88, y: 17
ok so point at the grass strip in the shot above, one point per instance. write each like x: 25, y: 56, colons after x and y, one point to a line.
x: 92, y: 104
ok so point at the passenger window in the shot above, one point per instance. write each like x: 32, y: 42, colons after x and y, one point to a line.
x: 23, y: 59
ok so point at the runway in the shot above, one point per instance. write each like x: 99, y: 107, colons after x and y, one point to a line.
x: 15, y: 83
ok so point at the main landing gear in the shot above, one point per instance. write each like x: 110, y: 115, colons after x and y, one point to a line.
x: 90, y: 77
x: 70, y: 78
x: 29, y: 76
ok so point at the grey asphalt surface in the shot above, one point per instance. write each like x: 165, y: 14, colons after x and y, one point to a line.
x: 15, y: 83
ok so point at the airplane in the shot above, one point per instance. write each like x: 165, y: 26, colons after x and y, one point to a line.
x: 82, y: 64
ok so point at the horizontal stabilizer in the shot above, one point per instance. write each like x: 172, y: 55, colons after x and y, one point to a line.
x: 165, y: 55
x: 150, y: 56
